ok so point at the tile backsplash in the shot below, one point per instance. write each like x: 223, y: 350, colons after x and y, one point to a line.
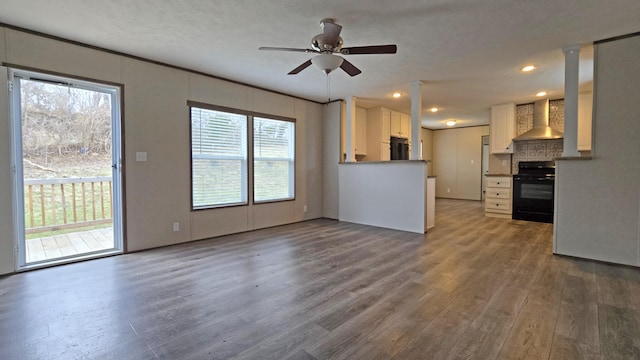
x: 537, y: 150
x: 524, y: 116
x: 556, y: 114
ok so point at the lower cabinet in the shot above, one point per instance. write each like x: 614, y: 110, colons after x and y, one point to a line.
x: 385, y: 151
x: 498, y: 197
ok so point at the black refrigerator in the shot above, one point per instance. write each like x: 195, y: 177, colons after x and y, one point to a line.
x: 399, y: 148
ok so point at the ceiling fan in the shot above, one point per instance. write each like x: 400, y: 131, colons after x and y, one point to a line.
x: 329, y: 43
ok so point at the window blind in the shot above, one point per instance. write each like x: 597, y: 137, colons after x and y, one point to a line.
x: 273, y: 160
x: 218, y: 158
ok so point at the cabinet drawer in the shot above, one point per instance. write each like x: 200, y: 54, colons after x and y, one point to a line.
x: 501, y: 182
x: 498, y: 193
x: 498, y: 204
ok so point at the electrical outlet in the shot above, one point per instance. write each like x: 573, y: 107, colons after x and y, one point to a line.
x: 141, y: 156
x: 305, y: 208
x: 448, y: 190
x: 176, y: 226
x: 472, y: 161
x: 504, y: 162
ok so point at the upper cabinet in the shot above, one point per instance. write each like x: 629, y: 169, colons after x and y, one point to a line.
x: 502, y: 128
x: 405, y: 126
x: 361, y: 132
x: 378, y: 133
x: 395, y: 123
x: 400, y: 125
x: 585, y: 107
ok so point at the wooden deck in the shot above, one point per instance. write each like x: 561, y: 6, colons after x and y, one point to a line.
x: 76, y: 243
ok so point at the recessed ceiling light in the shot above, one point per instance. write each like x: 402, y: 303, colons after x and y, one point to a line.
x: 541, y: 93
x: 451, y: 123
x: 434, y: 109
x: 528, y: 68
x: 396, y: 95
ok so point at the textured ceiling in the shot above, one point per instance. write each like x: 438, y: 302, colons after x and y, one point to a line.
x: 467, y: 53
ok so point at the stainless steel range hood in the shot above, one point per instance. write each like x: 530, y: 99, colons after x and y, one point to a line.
x: 541, y: 129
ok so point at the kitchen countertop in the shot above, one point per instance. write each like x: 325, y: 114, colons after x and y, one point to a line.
x: 498, y: 175
x: 573, y: 158
x: 384, y: 162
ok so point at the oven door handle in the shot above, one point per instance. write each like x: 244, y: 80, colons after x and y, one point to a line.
x: 533, y: 179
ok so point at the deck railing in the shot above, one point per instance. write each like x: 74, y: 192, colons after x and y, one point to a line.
x: 56, y: 204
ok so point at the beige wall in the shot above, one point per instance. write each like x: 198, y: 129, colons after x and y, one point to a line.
x: 457, y: 162
x: 156, y: 120
x: 499, y: 163
x: 598, y: 201
x: 332, y: 154
x: 427, y: 148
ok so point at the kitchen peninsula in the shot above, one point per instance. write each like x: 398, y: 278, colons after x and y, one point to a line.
x: 391, y: 194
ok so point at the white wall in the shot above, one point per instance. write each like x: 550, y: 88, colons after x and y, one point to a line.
x: 388, y: 194
x: 457, y: 162
x: 156, y: 120
x: 598, y: 201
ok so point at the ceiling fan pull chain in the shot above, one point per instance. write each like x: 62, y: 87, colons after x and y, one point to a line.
x: 328, y: 88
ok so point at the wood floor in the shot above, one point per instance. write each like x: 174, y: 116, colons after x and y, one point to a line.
x: 472, y: 288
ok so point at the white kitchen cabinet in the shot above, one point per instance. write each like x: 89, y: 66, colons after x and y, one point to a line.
x: 396, y: 124
x: 585, y: 108
x: 378, y: 134
x: 400, y: 125
x: 498, y: 197
x: 405, y: 126
x: 431, y: 202
x: 361, y: 132
x: 502, y: 128
x: 385, y: 151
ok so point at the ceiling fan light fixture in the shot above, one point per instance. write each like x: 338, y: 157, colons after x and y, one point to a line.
x: 327, y: 62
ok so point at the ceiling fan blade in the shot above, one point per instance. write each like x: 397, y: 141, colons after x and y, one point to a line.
x: 285, y: 49
x: 349, y: 68
x: 331, y: 33
x: 373, y: 49
x: 304, y: 65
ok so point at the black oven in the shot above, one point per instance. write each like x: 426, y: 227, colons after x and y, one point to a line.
x: 533, y: 191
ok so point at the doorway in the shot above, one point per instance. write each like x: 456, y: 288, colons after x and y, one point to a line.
x: 485, y: 164
x: 66, y: 165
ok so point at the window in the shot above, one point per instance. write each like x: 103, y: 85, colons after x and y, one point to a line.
x: 273, y: 160
x: 218, y: 158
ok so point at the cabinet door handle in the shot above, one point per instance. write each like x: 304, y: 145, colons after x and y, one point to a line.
x: 497, y: 194
x: 498, y: 182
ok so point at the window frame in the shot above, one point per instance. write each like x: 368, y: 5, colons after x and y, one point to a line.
x: 295, y: 159
x: 245, y: 181
x: 250, y: 183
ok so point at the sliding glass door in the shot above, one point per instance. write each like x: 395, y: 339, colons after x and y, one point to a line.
x: 67, y: 182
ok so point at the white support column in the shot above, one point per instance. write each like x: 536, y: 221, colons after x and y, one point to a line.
x: 416, y: 120
x: 350, y: 125
x: 571, y: 82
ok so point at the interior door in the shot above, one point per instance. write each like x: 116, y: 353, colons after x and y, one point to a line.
x: 66, y: 148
